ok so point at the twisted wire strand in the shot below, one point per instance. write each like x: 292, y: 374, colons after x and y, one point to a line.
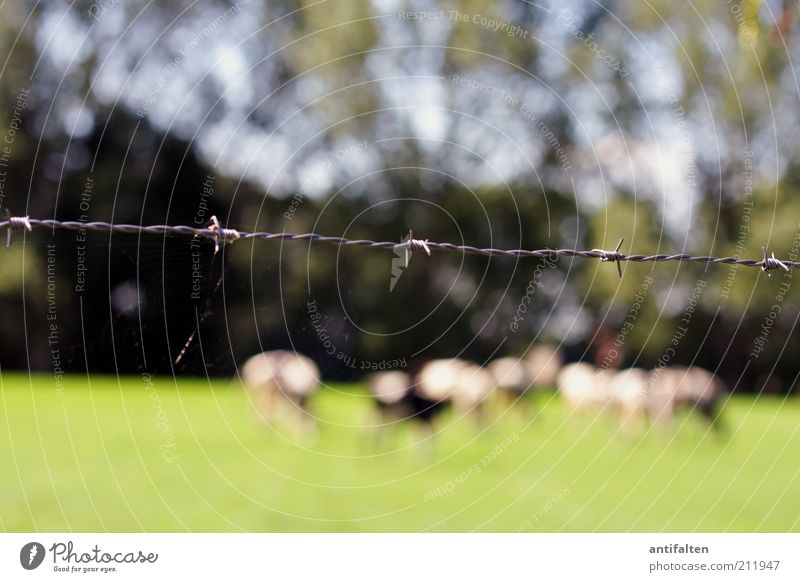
x: 220, y: 235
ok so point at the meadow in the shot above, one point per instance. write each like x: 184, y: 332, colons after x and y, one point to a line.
x: 142, y: 454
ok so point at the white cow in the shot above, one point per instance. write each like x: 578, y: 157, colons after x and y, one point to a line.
x: 280, y: 384
x: 628, y: 397
x: 511, y: 381
x: 669, y: 389
x: 465, y: 384
x: 389, y: 388
x: 438, y: 379
x: 510, y: 375
x: 576, y: 384
x: 544, y: 363
x: 475, y: 385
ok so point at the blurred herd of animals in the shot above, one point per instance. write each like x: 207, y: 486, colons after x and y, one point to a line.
x: 281, y: 385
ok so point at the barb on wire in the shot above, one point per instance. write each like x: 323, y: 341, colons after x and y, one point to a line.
x: 612, y: 256
x: 16, y: 223
x: 220, y: 235
x: 410, y: 244
x: 770, y: 263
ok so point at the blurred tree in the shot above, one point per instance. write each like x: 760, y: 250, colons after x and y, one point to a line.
x: 511, y: 125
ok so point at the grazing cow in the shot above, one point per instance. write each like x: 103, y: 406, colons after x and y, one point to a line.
x: 438, y: 379
x: 398, y: 398
x: 669, y: 389
x: 628, y: 398
x: 464, y: 384
x: 601, y: 398
x: 475, y: 386
x: 389, y: 388
x: 511, y: 381
x: 510, y: 375
x: 281, y: 383
x: 392, y: 393
x: 544, y: 363
x: 576, y: 384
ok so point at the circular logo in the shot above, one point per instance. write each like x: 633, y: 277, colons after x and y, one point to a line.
x: 31, y: 555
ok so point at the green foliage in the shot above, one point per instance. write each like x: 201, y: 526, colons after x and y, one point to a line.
x: 317, y: 77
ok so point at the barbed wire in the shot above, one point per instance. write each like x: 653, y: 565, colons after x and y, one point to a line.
x: 215, y: 232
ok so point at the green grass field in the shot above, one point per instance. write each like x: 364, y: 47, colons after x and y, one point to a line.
x: 114, y: 456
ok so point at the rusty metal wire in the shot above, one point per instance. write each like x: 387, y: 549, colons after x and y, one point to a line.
x: 215, y: 232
